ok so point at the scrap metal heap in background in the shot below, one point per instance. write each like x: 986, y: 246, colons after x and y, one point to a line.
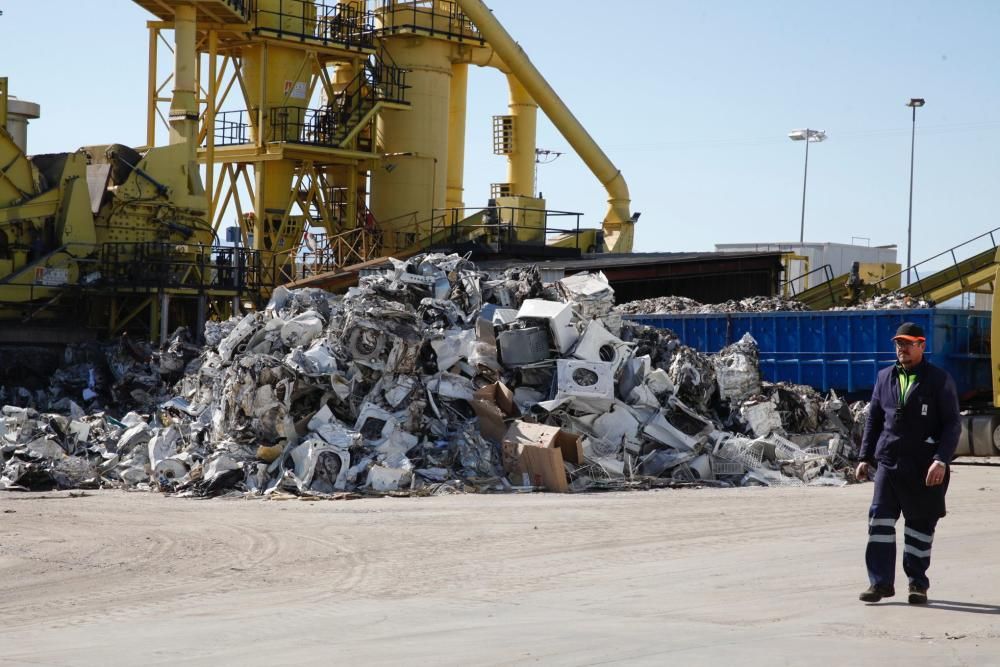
x: 762, y: 304
x: 428, y: 377
x: 889, y: 301
x: 681, y: 304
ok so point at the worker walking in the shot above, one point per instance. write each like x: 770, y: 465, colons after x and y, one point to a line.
x: 909, y: 439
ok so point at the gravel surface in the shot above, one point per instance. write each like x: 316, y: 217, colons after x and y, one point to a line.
x: 710, y: 577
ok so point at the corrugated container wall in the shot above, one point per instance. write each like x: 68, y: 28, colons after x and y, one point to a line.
x: 842, y: 350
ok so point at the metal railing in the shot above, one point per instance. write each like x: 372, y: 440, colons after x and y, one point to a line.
x: 241, y: 7
x: 335, y: 252
x: 385, y: 77
x: 956, y: 264
x: 232, y: 128
x: 378, y: 80
x: 434, y: 17
x: 299, y: 125
x: 155, y: 266
x: 500, y: 228
x: 329, y: 24
x: 111, y: 269
x: 826, y: 270
x: 414, y: 234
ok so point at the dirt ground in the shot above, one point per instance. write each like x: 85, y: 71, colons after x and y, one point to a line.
x: 693, y: 577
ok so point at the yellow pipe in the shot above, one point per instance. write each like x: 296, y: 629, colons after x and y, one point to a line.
x: 480, y: 56
x: 618, y: 223
x: 456, y: 135
x: 521, y: 161
x: 184, y: 104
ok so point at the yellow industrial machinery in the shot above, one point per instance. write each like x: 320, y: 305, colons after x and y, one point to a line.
x: 847, y: 288
x: 976, y: 273
x: 981, y: 428
x: 102, y: 238
x: 325, y: 134
x: 343, y: 124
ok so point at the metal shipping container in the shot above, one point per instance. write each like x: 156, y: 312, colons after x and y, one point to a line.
x: 842, y: 350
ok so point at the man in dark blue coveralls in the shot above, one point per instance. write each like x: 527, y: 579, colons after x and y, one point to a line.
x: 909, y: 439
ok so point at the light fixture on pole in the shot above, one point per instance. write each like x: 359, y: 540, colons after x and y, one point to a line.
x: 808, y: 136
x: 913, y: 104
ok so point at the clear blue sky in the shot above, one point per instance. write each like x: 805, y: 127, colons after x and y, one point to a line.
x: 692, y: 100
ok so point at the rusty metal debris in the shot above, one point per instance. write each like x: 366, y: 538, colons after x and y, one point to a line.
x: 411, y: 383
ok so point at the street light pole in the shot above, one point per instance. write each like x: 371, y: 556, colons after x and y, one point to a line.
x: 805, y: 179
x: 808, y: 136
x: 913, y: 104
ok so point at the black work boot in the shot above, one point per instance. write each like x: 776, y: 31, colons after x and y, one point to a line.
x: 876, y: 593
x: 918, y: 595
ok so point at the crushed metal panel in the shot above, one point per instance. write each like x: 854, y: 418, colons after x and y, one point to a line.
x: 387, y: 479
x: 662, y: 431
x: 240, y: 333
x: 504, y: 316
x: 449, y: 385
x: 399, y: 390
x: 605, y: 454
x: 643, y: 395
x: 634, y: 371
x: 302, y: 329
x: 523, y: 346
x: 598, y: 344
x: 591, y: 385
x: 737, y: 370
x: 617, y: 424
x: 762, y: 418
x: 659, y: 382
x: 320, y: 467
x: 454, y: 346
x: 660, y: 461
x: 560, y: 321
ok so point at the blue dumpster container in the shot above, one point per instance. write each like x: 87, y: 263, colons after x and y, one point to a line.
x: 842, y: 350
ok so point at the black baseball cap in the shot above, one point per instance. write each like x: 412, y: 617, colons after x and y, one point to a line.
x: 910, y: 331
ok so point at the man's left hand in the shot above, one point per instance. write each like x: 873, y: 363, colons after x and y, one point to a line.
x: 935, y: 474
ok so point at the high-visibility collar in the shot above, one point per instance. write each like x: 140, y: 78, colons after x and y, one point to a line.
x: 907, y: 378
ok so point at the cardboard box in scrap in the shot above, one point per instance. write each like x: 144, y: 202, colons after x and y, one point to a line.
x: 540, y: 451
x: 493, y: 404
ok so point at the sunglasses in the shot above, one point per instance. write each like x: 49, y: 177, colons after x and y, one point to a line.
x: 903, y: 344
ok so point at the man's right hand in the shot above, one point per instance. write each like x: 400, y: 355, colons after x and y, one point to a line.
x: 862, y: 471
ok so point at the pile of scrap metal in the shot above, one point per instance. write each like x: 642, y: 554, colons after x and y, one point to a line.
x: 93, y: 375
x: 431, y: 378
x: 680, y: 304
x: 889, y: 301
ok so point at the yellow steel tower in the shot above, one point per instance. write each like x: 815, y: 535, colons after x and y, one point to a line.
x: 289, y: 94
x: 348, y: 120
